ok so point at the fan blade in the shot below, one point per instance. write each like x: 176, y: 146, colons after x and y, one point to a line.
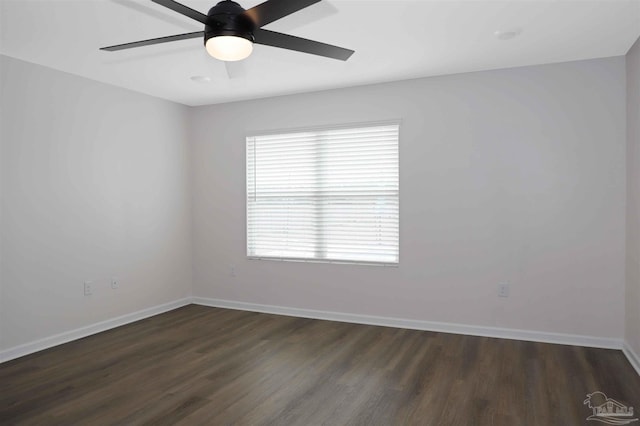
x: 286, y: 41
x: 183, y: 10
x: 154, y: 41
x: 235, y: 69
x: 272, y: 10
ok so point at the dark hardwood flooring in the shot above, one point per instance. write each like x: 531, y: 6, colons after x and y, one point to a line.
x: 207, y: 366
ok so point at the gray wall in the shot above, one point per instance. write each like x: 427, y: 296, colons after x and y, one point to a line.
x: 95, y: 183
x: 506, y: 176
x: 511, y: 176
x: 632, y: 333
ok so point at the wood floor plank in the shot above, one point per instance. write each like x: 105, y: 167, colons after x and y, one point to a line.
x: 207, y: 366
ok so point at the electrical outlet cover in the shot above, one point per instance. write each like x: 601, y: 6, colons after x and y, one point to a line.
x: 503, y: 290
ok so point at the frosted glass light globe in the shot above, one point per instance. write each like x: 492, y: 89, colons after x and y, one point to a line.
x: 229, y: 48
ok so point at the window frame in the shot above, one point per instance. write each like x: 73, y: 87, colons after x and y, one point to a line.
x: 319, y: 128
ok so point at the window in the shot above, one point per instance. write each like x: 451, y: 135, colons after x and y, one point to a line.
x: 326, y: 195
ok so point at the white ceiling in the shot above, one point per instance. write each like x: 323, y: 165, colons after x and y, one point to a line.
x: 393, y: 40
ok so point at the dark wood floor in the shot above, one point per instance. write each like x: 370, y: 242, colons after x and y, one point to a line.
x: 209, y: 366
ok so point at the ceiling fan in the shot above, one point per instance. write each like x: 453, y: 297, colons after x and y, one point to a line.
x: 230, y: 31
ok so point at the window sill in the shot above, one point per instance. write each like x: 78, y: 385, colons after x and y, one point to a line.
x: 340, y: 262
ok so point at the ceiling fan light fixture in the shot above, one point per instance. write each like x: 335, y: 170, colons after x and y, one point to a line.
x: 230, y: 31
x: 229, y: 48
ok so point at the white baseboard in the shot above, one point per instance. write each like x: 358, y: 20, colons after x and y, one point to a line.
x: 472, y: 330
x: 634, y: 358
x: 502, y: 333
x: 79, y: 333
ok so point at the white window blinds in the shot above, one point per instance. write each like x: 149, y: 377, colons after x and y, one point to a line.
x: 328, y: 195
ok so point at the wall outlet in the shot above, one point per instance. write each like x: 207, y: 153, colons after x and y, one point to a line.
x: 232, y: 271
x: 503, y: 290
x: 115, y: 283
x: 88, y: 288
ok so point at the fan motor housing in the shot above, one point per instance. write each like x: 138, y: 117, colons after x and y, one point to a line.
x: 227, y: 19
